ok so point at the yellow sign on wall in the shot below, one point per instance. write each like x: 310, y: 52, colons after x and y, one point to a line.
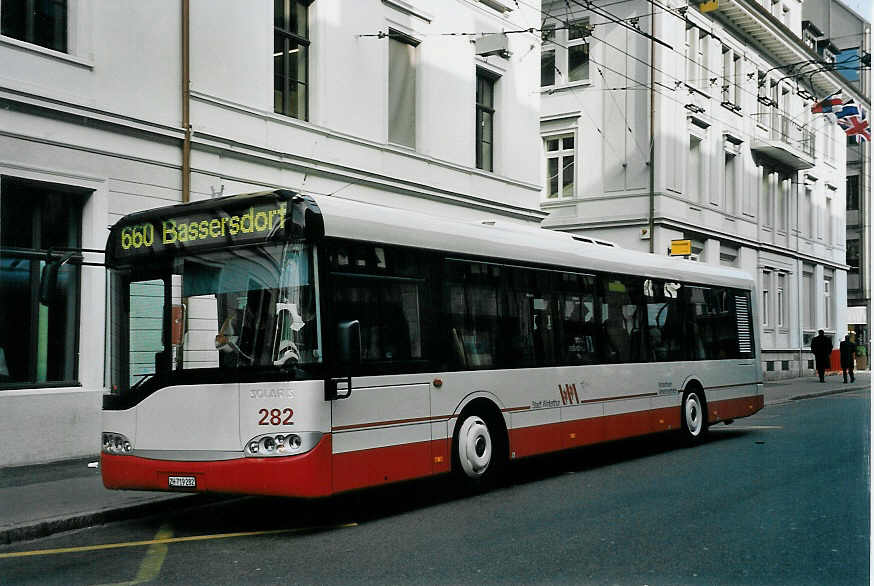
x: 709, y: 6
x: 681, y: 247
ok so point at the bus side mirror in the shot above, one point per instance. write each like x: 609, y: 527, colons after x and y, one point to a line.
x: 349, y: 344
x: 49, y: 282
x: 348, y: 357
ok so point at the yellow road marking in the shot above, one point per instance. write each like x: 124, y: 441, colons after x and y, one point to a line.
x: 84, y: 548
x: 154, y: 560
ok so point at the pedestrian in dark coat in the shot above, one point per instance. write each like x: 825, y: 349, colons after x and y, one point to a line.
x: 848, y: 358
x: 822, y: 349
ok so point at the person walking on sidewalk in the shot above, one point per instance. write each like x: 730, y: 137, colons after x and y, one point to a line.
x: 848, y: 358
x: 822, y: 349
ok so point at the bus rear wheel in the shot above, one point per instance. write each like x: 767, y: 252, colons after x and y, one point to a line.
x: 477, y: 451
x: 694, y: 416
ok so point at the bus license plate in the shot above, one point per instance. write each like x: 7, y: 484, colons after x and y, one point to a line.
x: 182, y: 482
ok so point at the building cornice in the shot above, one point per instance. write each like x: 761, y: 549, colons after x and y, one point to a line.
x: 788, y: 49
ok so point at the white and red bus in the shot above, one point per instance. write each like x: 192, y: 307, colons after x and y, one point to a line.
x: 279, y: 344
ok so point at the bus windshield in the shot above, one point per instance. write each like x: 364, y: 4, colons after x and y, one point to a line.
x: 242, y: 308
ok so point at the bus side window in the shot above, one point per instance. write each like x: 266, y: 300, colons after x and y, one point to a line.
x: 389, y: 312
x: 471, y: 313
x: 664, y: 320
x: 577, y: 333
x: 621, y: 317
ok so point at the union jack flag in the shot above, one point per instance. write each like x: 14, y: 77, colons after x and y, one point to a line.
x: 856, y: 125
x: 848, y: 108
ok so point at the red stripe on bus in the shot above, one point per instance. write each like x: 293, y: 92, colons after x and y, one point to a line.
x: 307, y: 475
x: 320, y: 473
x: 733, y: 408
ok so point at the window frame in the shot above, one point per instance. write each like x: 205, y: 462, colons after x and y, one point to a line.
x: 558, y: 41
x: 289, y: 37
x: 485, y: 108
x: 766, y: 298
x: 35, y: 255
x: 560, y: 155
x: 392, y: 87
x: 29, y: 34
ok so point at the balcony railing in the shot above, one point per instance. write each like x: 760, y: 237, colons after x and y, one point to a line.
x: 786, y: 139
x: 784, y: 129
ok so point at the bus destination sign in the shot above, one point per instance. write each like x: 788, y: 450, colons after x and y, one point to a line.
x: 256, y: 222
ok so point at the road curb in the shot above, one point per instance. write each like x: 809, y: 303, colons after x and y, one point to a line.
x: 816, y: 394
x: 826, y: 393
x: 9, y: 535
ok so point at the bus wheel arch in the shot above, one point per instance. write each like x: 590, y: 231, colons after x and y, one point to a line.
x: 480, y: 443
x: 693, y: 413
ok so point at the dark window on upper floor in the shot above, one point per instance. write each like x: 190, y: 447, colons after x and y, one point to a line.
x: 41, y: 22
x: 485, y: 120
x: 853, y: 192
x: 291, y: 47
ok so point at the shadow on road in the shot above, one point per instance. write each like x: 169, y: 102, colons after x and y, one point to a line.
x: 240, y: 514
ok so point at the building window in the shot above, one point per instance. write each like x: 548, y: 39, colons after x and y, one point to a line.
x: 808, y: 295
x: 559, y: 166
x: 782, y: 208
x: 827, y: 302
x: 730, y: 182
x: 485, y: 120
x: 547, y: 56
x: 852, y: 192
x: 766, y: 198
x: 731, y: 74
x: 565, y: 52
x: 40, y: 22
x: 762, y: 98
x: 806, y: 213
x: 691, y: 54
x: 401, y: 89
x: 854, y: 250
x: 694, y: 172
x: 766, y: 297
x: 290, y: 58
x: 781, y: 300
x: 704, y: 74
x: 828, y: 221
x: 38, y: 343
x: 738, y: 77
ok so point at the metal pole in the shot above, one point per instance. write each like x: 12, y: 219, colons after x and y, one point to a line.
x: 186, y: 104
x: 651, y: 226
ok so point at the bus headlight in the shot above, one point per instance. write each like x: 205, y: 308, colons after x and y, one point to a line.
x: 282, y: 444
x: 116, y: 444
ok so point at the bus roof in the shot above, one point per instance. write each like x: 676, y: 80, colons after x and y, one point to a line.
x: 494, y: 240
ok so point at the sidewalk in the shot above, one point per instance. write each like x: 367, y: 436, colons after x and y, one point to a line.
x: 40, y: 500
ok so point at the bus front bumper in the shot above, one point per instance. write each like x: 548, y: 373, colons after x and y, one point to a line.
x: 307, y: 475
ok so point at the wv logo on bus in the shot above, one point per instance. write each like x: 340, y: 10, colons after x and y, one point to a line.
x: 569, y: 394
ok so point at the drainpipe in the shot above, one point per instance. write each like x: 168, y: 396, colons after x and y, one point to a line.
x: 186, y: 105
x: 651, y: 226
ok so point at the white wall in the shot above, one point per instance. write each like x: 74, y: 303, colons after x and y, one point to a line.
x: 106, y: 117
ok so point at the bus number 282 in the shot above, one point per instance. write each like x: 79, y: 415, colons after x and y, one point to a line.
x: 275, y: 416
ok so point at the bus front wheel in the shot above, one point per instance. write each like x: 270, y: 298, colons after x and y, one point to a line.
x: 694, y: 416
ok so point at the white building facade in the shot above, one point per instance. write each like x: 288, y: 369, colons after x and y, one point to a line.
x: 377, y: 100
x: 742, y: 168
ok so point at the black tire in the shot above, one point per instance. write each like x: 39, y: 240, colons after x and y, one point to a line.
x: 479, y: 452
x: 693, y: 415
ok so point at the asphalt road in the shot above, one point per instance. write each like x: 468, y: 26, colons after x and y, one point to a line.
x: 778, y: 498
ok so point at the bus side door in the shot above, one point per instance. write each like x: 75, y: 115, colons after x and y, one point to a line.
x: 381, y: 432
